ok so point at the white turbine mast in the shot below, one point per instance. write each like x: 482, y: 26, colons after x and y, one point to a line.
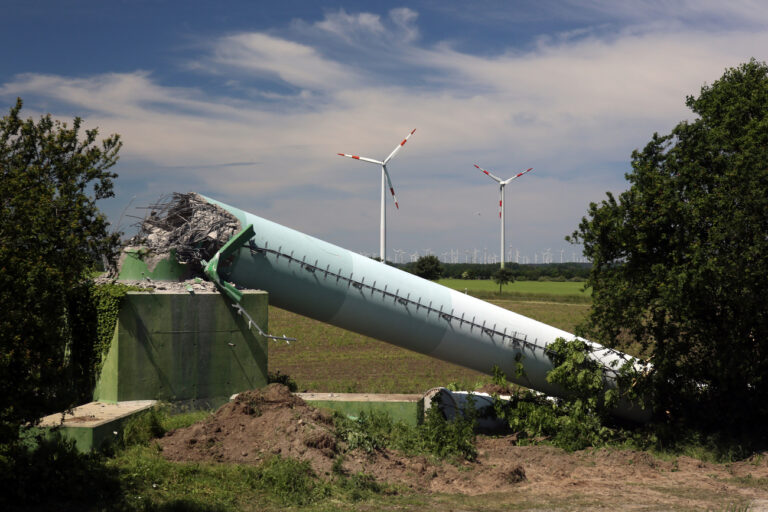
x: 385, y: 181
x: 502, y: 184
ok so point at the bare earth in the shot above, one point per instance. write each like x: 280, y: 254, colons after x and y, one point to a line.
x: 261, y: 423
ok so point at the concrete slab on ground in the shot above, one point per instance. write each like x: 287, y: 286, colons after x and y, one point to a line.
x: 94, y: 424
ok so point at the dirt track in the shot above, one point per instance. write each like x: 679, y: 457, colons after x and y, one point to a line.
x: 261, y: 423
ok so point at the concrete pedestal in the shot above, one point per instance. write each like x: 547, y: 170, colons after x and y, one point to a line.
x: 184, y: 347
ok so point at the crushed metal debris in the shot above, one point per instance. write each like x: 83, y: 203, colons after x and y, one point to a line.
x: 188, y: 224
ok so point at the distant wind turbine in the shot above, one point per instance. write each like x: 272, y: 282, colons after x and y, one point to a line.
x: 502, y: 184
x: 385, y: 180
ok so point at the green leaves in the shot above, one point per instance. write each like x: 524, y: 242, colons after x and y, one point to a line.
x: 681, y: 258
x: 428, y: 267
x: 503, y: 276
x: 51, y: 233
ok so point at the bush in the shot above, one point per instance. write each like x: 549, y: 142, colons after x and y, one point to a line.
x: 681, y: 259
x: 374, y: 431
x: 429, y: 267
x: 51, y: 233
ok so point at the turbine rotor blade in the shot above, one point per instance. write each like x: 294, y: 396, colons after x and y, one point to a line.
x: 364, y: 159
x: 391, y: 188
x: 519, y: 174
x: 394, y: 151
x: 489, y: 174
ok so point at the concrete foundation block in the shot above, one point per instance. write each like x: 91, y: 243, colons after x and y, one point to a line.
x: 184, y: 347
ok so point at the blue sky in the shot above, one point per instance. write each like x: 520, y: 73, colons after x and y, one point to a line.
x: 249, y: 102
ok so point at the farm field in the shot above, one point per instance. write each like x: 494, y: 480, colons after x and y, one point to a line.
x: 547, y: 290
x: 329, y: 359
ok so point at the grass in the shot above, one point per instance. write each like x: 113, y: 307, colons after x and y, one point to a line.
x: 552, y: 291
x: 330, y: 359
x: 324, y: 358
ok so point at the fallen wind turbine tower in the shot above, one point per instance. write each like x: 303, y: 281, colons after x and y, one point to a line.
x: 502, y: 184
x: 385, y: 181
x: 319, y: 280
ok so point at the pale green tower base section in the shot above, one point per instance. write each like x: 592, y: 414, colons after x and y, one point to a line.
x: 191, y: 348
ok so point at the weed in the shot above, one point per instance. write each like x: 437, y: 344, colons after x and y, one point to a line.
x: 155, y: 422
x: 291, y: 481
x: 359, y: 486
x: 143, y: 427
x: 375, y: 431
x: 54, y: 475
x: 282, y: 378
x: 750, y: 481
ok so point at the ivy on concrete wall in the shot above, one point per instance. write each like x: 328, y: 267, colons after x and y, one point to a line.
x: 93, y: 311
x: 106, y: 299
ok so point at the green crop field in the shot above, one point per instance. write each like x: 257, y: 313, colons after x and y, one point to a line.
x: 545, y: 289
x: 329, y: 359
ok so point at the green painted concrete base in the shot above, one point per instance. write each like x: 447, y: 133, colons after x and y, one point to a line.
x: 92, y: 427
x: 137, y: 263
x: 184, y: 347
x: 408, y: 409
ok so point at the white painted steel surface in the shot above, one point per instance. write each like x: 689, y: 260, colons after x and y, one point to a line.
x: 322, y: 281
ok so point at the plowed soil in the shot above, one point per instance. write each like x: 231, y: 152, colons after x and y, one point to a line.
x: 261, y: 423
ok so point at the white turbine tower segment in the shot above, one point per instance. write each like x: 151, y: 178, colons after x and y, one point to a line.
x: 385, y: 181
x: 502, y: 184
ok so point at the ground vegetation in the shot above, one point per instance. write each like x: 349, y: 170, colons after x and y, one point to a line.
x: 521, y: 272
x: 680, y: 260
x: 51, y: 234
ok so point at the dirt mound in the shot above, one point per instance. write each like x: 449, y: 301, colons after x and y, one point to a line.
x: 261, y: 423
x: 256, y: 425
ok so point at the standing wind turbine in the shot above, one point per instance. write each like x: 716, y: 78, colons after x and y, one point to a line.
x: 502, y: 184
x: 385, y: 180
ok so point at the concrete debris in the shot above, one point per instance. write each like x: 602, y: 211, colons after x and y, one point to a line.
x: 188, y: 224
x: 196, y: 285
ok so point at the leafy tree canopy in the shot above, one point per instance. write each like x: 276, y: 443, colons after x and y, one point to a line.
x: 503, y: 276
x: 428, y: 267
x: 51, y: 233
x: 680, y: 260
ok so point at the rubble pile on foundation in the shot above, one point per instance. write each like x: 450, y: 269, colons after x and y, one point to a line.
x: 186, y: 223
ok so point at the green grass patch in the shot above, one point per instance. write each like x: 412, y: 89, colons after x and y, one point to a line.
x: 155, y: 422
x: 555, y: 291
x: 373, y: 431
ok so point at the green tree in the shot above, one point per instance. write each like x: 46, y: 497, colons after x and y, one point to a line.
x: 429, y: 267
x: 51, y: 233
x: 503, y: 276
x: 680, y: 260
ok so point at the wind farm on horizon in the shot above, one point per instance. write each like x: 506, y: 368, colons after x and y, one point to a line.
x: 453, y: 255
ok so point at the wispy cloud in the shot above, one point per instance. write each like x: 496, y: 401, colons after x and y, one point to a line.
x: 400, y: 26
x: 572, y: 105
x: 294, y: 64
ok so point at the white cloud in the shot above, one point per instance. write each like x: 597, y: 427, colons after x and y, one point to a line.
x: 369, y: 28
x: 344, y: 25
x: 295, y: 64
x: 571, y: 107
